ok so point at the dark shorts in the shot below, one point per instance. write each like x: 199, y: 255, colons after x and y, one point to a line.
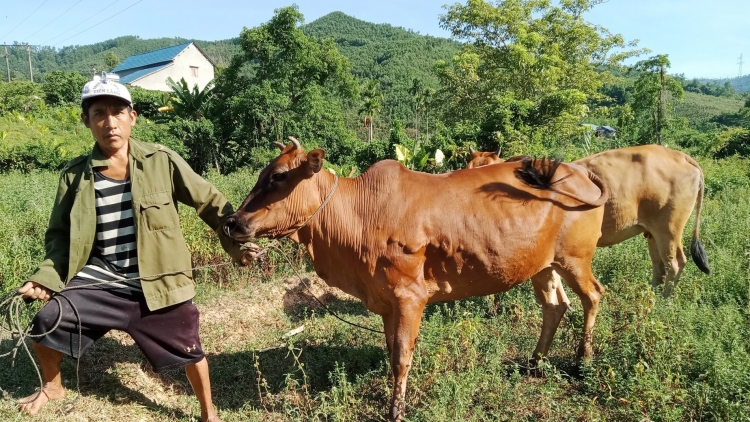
x: 168, y: 336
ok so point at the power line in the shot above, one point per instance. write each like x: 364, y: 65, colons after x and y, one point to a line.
x: 40, y: 6
x: 82, y: 22
x: 50, y: 22
x: 99, y: 23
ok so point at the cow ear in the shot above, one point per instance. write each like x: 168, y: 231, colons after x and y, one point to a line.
x: 315, y: 161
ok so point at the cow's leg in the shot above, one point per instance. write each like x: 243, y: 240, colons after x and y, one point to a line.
x: 658, y: 273
x: 550, y: 293
x: 389, y: 327
x: 404, y: 328
x: 672, y: 256
x: 578, y: 276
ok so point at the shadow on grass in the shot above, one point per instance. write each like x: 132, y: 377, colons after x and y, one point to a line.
x: 557, y: 366
x: 299, y: 301
x: 233, y: 375
x: 235, y: 378
x: 97, y: 374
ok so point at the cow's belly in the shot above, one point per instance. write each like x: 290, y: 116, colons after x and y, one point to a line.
x: 452, y: 278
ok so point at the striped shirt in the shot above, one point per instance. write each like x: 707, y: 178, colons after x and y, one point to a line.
x: 115, y: 256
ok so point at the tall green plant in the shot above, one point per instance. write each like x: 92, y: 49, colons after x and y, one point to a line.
x: 654, y: 94
x: 372, y: 100
x: 189, y: 103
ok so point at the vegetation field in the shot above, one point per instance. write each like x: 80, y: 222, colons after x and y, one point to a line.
x: 681, y: 359
x: 699, y: 108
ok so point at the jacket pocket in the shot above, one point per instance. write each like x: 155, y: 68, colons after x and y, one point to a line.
x: 157, y: 211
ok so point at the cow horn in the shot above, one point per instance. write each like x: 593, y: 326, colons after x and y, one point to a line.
x: 295, y: 142
x: 499, y: 152
x: 280, y: 145
x: 471, y: 150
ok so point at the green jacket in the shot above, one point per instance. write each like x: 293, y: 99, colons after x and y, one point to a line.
x: 159, y: 178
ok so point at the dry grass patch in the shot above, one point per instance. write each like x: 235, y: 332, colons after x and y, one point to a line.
x: 117, y: 383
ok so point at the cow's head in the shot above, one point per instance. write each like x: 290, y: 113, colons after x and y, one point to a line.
x: 480, y: 158
x: 286, y: 194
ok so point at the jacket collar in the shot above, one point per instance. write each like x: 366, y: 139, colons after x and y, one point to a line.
x: 137, y: 150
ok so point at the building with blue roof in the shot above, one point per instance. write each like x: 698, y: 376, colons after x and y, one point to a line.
x: 151, y: 70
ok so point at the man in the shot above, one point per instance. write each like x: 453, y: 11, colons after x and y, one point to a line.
x: 115, y: 219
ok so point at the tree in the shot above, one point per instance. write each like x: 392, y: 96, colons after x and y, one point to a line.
x: 653, y: 95
x: 61, y: 88
x: 416, y: 93
x: 528, y: 71
x: 371, y: 104
x: 111, y: 60
x: 283, y: 83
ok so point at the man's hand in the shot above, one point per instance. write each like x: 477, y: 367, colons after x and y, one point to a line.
x: 250, y: 253
x: 33, y: 290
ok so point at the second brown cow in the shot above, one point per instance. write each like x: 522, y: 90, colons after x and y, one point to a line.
x: 653, y: 191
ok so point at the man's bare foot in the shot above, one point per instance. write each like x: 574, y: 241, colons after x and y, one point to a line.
x: 32, y: 404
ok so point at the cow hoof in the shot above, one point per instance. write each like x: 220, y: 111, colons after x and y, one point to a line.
x: 668, y: 290
x: 397, y: 411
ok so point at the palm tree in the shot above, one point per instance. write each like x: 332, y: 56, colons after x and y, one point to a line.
x: 424, y: 100
x: 416, y: 93
x: 371, y: 104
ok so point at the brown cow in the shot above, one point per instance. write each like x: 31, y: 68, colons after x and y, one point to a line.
x: 653, y: 190
x: 482, y: 158
x: 399, y: 239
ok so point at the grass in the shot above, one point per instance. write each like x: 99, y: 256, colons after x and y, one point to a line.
x: 681, y: 359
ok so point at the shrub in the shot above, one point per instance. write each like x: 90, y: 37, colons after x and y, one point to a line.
x: 146, y: 102
x: 20, y: 96
x: 63, y: 88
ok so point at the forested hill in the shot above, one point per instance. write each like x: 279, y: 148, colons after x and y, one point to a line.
x: 740, y: 84
x: 389, y: 54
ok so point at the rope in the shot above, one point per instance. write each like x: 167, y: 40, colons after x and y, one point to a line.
x: 10, y: 307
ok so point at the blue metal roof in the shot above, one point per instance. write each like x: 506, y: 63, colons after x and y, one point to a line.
x: 143, y: 72
x: 151, y: 58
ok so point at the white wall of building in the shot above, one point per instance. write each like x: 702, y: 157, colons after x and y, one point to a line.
x: 182, y: 67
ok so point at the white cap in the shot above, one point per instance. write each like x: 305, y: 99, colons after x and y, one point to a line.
x: 108, y: 84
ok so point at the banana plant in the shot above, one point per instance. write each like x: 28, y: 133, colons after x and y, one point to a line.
x: 416, y: 159
x: 187, y: 103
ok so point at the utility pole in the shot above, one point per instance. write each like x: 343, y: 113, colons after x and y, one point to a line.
x: 31, y: 72
x: 7, y: 66
x: 739, y: 61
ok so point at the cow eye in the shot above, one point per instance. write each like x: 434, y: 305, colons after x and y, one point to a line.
x: 278, y: 177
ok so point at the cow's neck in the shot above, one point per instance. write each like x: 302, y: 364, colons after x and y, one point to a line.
x: 339, y: 226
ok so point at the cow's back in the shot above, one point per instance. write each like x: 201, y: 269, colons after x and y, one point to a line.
x: 646, y: 184
x: 471, y: 232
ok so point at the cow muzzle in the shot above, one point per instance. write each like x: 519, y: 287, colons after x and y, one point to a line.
x: 235, y: 230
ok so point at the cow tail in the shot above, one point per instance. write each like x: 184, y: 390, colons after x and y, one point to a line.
x: 696, y: 247
x: 539, y: 174
x: 604, y: 197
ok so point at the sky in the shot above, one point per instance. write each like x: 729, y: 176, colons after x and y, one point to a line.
x: 702, y: 38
